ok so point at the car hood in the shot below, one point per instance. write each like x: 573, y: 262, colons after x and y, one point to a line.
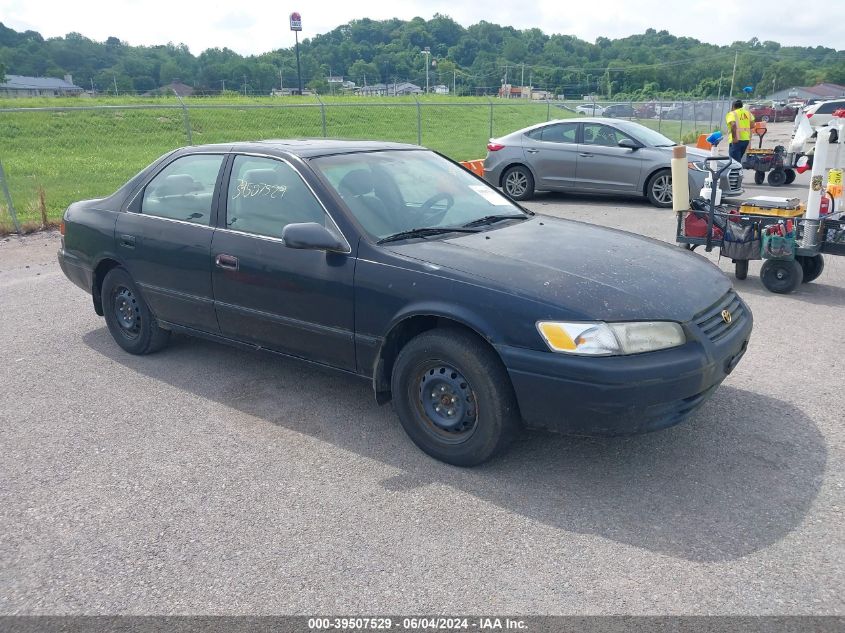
x: 583, y: 271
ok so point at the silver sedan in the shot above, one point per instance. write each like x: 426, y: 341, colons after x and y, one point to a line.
x: 607, y: 156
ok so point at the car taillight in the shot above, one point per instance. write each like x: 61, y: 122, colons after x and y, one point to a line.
x: 494, y: 147
x: 809, y: 115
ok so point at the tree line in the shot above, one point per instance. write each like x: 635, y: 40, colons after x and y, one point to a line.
x: 473, y: 60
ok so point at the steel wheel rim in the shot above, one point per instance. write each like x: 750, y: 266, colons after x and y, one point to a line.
x: 127, y: 312
x: 662, y: 189
x: 446, y: 403
x: 516, y: 183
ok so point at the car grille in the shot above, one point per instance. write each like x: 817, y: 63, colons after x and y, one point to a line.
x: 711, y: 322
x: 734, y: 179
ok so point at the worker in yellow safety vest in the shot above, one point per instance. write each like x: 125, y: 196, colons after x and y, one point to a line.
x: 739, y: 122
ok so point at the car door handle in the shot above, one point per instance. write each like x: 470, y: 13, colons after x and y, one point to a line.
x: 128, y: 241
x: 532, y: 151
x: 228, y: 262
x: 585, y: 154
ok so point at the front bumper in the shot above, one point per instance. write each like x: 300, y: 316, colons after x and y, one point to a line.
x: 621, y: 395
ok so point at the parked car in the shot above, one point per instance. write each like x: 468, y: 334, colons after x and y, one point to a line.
x: 646, y: 111
x: 594, y: 156
x: 624, y: 110
x: 593, y: 109
x: 821, y: 113
x: 773, y: 112
x: 394, y: 264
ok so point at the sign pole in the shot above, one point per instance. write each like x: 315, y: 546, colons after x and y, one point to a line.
x: 298, y: 67
x: 296, y: 27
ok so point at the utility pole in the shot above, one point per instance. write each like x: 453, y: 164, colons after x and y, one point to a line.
x: 505, y: 88
x: 454, y: 79
x: 427, y: 53
x: 281, y: 80
x: 114, y: 78
x: 522, y: 77
x: 224, y: 85
x: 733, y: 76
x: 244, y: 85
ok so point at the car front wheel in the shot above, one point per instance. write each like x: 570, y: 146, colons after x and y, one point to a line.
x: 518, y: 183
x: 454, y: 398
x: 659, y: 189
x: 128, y: 317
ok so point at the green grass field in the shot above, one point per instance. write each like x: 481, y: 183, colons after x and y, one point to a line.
x: 86, y: 153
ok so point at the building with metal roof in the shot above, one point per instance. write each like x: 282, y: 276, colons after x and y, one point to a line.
x: 819, y: 91
x: 21, y: 86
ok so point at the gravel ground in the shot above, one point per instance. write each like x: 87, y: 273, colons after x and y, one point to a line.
x: 205, y: 479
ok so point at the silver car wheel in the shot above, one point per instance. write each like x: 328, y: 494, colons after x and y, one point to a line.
x: 516, y: 184
x: 661, y: 189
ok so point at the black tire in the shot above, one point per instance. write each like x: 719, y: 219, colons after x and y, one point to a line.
x: 812, y: 266
x: 759, y: 177
x: 518, y: 183
x: 454, y: 398
x: 128, y: 317
x: 781, y: 276
x: 741, y: 268
x: 790, y: 176
x: 777, y: 177
x: 656, y: 189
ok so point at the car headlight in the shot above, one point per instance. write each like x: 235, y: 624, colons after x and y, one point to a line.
x: 697, y: 165
x: 610, y: 339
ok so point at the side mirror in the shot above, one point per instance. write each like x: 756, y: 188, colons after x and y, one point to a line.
x: 312, y: 236
x: 629, y: 143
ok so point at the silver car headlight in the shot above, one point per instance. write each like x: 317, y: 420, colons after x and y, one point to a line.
x: 610, y: 339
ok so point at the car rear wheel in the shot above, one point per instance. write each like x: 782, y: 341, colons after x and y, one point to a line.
x: 518, y: 183
x: 741, y: 269
x: 128, y: 317
x: 454, y: 398
x: 659, y: 189
x: 790, y: 176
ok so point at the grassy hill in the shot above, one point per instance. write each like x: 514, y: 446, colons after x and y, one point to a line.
x: 73, y: 149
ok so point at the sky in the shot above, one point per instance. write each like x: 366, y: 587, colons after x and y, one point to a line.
x: 259, y: 26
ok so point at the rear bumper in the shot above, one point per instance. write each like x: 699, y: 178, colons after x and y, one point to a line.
x: 76, y: 271
x: 624, y: 394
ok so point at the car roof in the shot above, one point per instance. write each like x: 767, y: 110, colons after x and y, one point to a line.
x: 306, y: 148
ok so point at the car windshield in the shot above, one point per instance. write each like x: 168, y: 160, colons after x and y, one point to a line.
x: 391, y: 192
x: 645, y: 135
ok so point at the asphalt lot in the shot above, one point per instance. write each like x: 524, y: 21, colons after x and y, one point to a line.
x: 205, y: 479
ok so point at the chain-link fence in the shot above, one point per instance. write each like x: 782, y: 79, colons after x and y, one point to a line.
x: 55, y: 155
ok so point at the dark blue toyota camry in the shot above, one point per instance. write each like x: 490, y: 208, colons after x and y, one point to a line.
x: 474, y: 316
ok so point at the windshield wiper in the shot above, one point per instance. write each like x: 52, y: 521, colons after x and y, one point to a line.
x: 425, y: 232
x: 490, y: 219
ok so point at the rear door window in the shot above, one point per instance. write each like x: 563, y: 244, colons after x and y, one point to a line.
x: 830, y: 108
x: 184, y: 190
x: 556, y: 133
